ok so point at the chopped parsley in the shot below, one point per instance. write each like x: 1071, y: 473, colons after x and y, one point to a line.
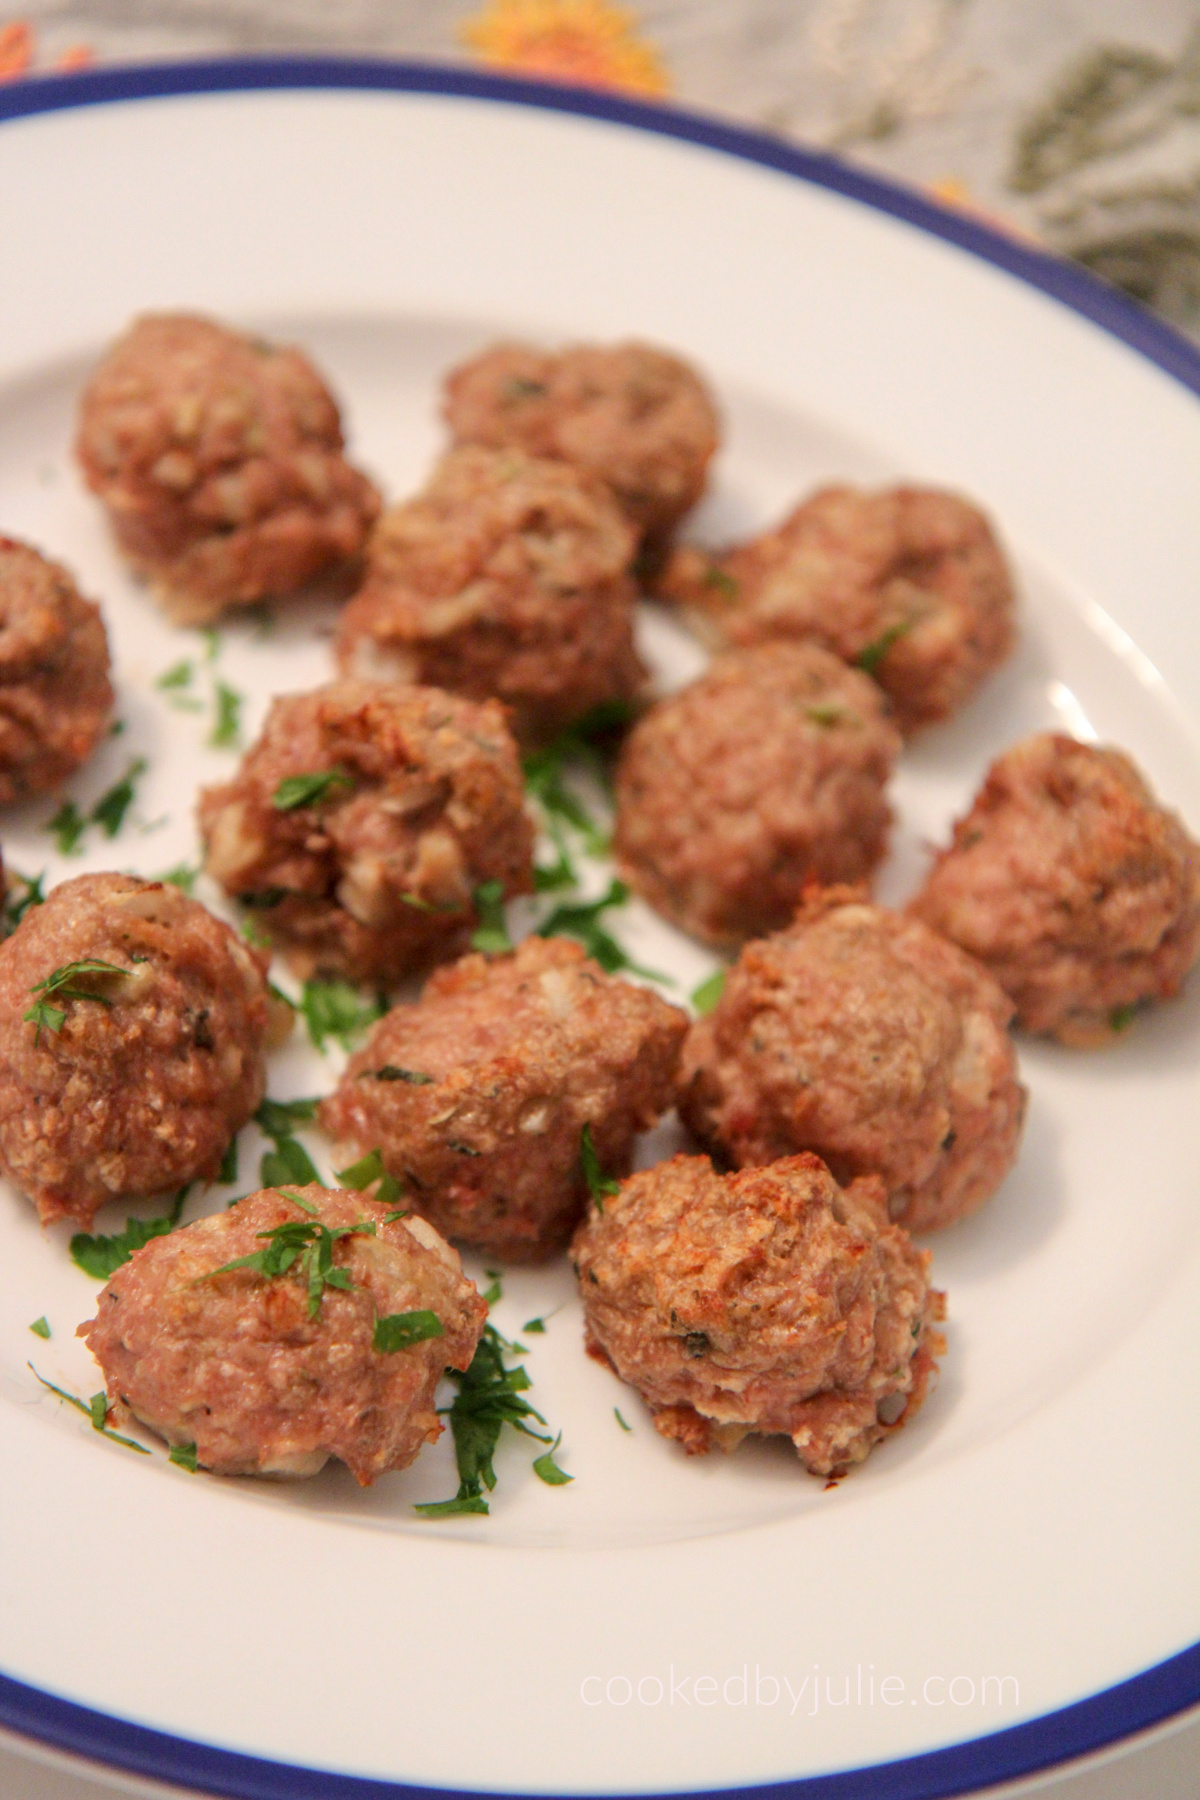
x: 520, y: 387
x: 600, y: 1186
x: 492, y: 934
x: 67, y: 827
x: 369, y: 1169
x: 400, y: 1331
x: 279, y: 1118
x: 305, y: 1244
x: 872, y: 654
x: 581, y: 920
x: 495, y: 1291
x: 179, y: 675
x: 109, y: 811
x: 95, y: 1409
x: 393, y: 1072
x: 184, y: 1457
x: 706, y: 996
x: 183, y: 876
x: 551, y: 878
x: 535, y: 1327
x: 620, y: 1420
x: 334, y: 1009
x: 546, y: 773
x: 40, y: 1328
x: 289, y: 1161
x: 1122, y: 1017
x: 61, y: 983
x: 720, y: 579
x: 16, y: 906
x: 228, y: 1172
x: 227, y: 725
x: 828, y: 714
x: 308, y: 790
x: 547, y: 1470
x: 489, y: 1397
x: 100, y: 1256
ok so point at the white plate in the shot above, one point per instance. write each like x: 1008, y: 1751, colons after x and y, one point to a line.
x: 977, y: 1591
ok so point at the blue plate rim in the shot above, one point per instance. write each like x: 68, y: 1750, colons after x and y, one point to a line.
x: 1082, y: 1728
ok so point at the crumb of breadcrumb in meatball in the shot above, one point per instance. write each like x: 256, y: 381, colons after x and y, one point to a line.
x: 478, y: 1094
x: 219, y: 458
x: 908, y: 583
x: 132, y: 1034
x: 263, y: 1375
x: 637, y: 417
x: 764, y: 774
x: 867, y: 1038
x: 768, y: 1301
x: 55, y: 695
x: 363, y: 822
x: 507, y: 577
x: 1073, y: 886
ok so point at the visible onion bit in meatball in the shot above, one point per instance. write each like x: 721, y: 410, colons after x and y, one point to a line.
x: 766, y: 773
x: 1073, y: 886
x: 908, y: 583
x: 866, y: 1037
x: 214, y: 1339
x: 55, y: 696
x: 132, y: 1031
x: 477, y: 1095
x: 219, y: 459
x: 507, y: 577
x: 639, y: 418
x: 769, y: 1301
x: 364, y: 820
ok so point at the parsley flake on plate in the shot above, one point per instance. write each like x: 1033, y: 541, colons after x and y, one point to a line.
x: 101, y: 1256
x: 40, y: 1327
x: 365, y: 1171
x: 491, y: 936
x: 599, y: 1185
x: 489, y: 1398
x: 110, y: 810
x: 547, y: 1470
x: 334, y: 1009
x: 184, y: 1457
x: 95, y: 1409
x: 706, y: 996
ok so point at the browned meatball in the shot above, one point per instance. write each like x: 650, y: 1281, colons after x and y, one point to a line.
x: 908, y: 583
x: 129, y: 1079
x: 363, y: 821
x: 864, y: 1036
x: 477, y: 1096
x: 55, y: 696
x: 640, y: 419
x: 768, y: 1301
x: 1073, y: 886
x: 219, y: 458
x: 508, y: 577
x: 263, y: 1375
x: 766, y: 773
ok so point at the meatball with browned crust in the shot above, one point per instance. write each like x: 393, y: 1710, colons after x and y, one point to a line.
x: 478, y: 1095
x: 56, y: 699
x: 909, y: 584
x: 507, y: 577
x: 640, y: 419
x: 363, y: 822
x: 132, y: 1034
x: 219, y: 459
x: 269, y: 1370
x: 869, y: 1039
x: 766, y: 773
x: 1073, y: 886
x: 769, y: 1301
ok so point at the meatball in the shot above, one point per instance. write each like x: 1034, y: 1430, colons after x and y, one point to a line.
x: 1073, y: 886
x: 640, y: 419
x: 908, y: 583
x: 865, y: 1037
x: 219, y: 459
x: 508, y: 577
x: 262, y: 1371
x: 132, y: 1032
x: 363, y: 822
x: 764, y: 774
x: 55, y: 696
x: 769, y: 1301
x: 478, y: 1095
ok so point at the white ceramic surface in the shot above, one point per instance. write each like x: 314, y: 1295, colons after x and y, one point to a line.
x: 1037, y: 1521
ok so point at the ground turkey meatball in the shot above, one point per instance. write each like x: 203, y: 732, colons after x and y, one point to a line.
x: 362, y: 822
x: 638, y: 418
x: 219, y: 458
x: 508, y: 577
x: 477, y: 1096
x: 1073, y: 886
x: 55, y: 695
x: 767, y: 1301
x: 864, y: 1036
x: 131, y: 1079
x: 908, y: 583
x: 262, y: 1375
x: 766, y: 773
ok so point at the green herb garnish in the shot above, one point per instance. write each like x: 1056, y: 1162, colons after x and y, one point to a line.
x: 620, y: 1420
x: 492, y: 934
x: 581, y: 920
x: 68, y: 826
x: 15, y: 908
x: 333, y: 1009
x: 184, y: 1457
x: 706, y: 996
x: 393, y: 1072
x: 535, y: 1327
x: 95, y: 1409
x: 279, y: 1118
x: 400, y: 1331
x: 227, y: 726
x: 61, y: 983
x: 600, y: 1186
x: 489, y: 1397
x: 289, y: 1161
x: 717, y: 577
x: 872, y: 654
x: 179, y: 675
x: 308, y: 790
x: 370, y: 1169
x: 1122, y: 1017
x: 101, y: 1256
x: 827, y: 714
x: 547, y: 1470
x: 183, y: 876
x: 227, y: 1173
x: 495, y: 1291
x: 109, y: 811
x: 40, y: 1328
x: 306, y: 1244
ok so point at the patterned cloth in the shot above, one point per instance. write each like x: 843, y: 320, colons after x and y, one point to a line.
x: 1076, y: 122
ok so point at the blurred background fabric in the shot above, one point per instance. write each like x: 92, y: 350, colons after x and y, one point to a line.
x: 1073, y: 122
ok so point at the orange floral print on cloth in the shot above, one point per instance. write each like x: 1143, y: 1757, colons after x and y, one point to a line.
x: 589, y: 42
x: 18, y: 50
